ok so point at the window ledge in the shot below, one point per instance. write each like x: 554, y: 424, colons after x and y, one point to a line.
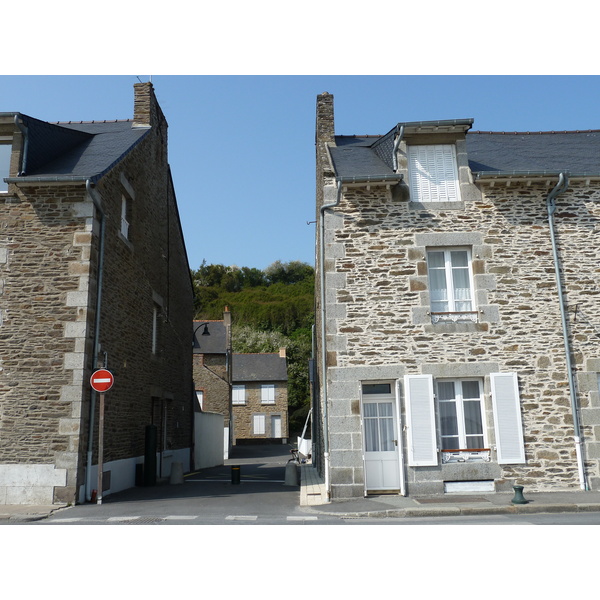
x: 466, y: 455
x: 436, y: 205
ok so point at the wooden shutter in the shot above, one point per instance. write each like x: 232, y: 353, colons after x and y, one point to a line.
x: 507, y: 418
x: 420, y: 417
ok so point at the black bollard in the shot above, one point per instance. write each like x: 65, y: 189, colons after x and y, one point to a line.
x: 235, y: 474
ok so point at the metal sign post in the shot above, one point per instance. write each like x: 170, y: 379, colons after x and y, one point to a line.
x: 101, y: 381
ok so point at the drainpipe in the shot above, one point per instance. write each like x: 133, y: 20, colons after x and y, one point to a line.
x: 561, y: 186
x: 396, y: 144
x: 98, y: 204
x: 324, y: 338
x: 25, y: 133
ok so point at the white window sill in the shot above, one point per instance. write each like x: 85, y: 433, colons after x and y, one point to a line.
x: 458, y: 456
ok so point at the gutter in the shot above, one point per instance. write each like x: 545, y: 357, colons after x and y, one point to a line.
x: 97, y: 200
x: 396, y: 144
x: 561, y: 186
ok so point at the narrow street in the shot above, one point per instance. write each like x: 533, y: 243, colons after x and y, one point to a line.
x: 256, y: 493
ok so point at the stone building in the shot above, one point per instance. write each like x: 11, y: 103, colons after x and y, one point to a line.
x: 260, y: 397
x: 458, y: 330
x: 212, y: 371
x: 93, y: 273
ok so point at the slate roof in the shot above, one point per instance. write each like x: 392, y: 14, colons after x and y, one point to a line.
x: 215, y: 343
x: 258, y: 367
x: 575, y: 152
x: 76, y: 150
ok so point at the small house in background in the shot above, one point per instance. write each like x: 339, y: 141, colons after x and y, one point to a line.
x: 260, y: 397
x: 212, y: 379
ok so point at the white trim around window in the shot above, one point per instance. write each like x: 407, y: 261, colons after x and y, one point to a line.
x: 451, y: 292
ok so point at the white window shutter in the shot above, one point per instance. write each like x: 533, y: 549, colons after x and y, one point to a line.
x: 420, y: 417
x: 507, y: 418
x: 433, y: 173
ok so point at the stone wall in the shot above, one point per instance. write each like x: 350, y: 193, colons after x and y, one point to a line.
x: 49, y: 241
x: 378, y: 323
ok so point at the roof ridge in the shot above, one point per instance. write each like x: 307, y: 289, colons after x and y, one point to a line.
x: 535, y: 132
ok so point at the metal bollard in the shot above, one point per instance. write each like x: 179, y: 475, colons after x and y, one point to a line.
x: 235, y: 474
x: 519, y: 498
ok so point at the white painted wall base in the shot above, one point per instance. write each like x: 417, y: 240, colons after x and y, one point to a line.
x: 122, y: 472
x: 30, y: 484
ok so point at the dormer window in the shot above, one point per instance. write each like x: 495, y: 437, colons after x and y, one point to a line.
x: 5, y: 152
x: 433, y: 173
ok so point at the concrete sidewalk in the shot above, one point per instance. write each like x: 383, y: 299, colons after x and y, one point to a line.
x: 313, y: 496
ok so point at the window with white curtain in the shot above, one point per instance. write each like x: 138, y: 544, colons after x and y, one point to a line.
x: 450, y: 284
x: 433, y: 173
x: 460, y: 411
x: 379, y: 426
x: 238, y: 394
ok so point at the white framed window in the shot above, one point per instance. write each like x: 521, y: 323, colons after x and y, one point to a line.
x: 200, y: 398
x: 267, y: 393
x: 461, y: 414
x: 433, y: 173
x: 125, y: 216
x: 258, y: 424
x: 5, y: 153
x: 238, y: 394
x: 461, y: 419
x: 451, y: 284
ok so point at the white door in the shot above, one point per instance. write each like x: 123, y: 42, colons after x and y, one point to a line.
x: 380, y: 431
x: 275, y: 426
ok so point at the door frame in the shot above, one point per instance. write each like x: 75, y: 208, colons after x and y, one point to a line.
x: 395, y: 397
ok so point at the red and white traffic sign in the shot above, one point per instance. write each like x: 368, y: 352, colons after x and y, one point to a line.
x: 102, y: 380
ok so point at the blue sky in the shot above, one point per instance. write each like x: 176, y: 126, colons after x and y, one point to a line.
x: 241, y: 148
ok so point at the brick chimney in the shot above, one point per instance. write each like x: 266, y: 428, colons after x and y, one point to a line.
x: 282, y: 353
x: 146, y: 110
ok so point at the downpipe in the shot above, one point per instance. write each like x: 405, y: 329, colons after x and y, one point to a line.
x: 561, y: 186
x: 98, y: 204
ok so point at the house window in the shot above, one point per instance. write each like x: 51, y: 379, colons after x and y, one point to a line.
x: 200, y: 398
x: 5, y: 152
x: 267, y: 394
x: 433, y: 173
x: 450, y: 285
x: 460, y: 412
x: 258, y: 424
x: 460, y: 424
x: 238, y: 394
x: 125, y: 216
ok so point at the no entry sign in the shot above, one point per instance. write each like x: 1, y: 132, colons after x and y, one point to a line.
x: 102, y: 380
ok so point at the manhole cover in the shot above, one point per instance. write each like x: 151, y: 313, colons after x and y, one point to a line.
x: 142, y: 521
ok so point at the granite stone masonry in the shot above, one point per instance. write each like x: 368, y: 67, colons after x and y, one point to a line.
x: 93, y: 272
x: 381, y: 328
